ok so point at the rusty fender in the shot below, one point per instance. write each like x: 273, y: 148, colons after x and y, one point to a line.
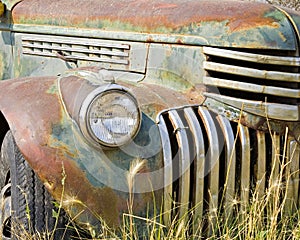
x: 91, y: 182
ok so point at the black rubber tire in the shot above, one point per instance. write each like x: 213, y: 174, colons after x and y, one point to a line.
x: 31, y: 205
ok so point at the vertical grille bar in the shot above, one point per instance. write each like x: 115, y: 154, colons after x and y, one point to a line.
x: 184, y: 162
x: 199, y: 160
x: 168, y: 170
x: 275, y: 159
x: 213, y: 160
x: 292, y: 175
x: 245, y: 163
x: 295, y: 161
x: 230, y: 159
x: 261, y: 163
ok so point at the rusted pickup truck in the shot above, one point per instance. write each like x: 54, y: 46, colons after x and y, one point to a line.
x: 110, y: 105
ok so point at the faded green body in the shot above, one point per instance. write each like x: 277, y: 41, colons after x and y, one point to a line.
x: 161, y: 61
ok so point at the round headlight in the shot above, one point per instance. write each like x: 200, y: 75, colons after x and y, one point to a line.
x: 112, y: 117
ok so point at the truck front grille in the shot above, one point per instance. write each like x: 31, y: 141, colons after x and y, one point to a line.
x: 250, y: 76
x: 212, y: 162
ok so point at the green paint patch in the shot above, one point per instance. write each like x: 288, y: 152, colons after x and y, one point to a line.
x: 53, y: 89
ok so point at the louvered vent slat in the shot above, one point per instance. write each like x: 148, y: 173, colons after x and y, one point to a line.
x: 76, y: 49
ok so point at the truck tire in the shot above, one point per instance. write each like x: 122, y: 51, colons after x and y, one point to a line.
x: 27, y: 207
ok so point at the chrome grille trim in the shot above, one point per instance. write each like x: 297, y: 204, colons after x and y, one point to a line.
x: 249, y: 72
x: 292, y: 174
x: 248, y: 87
x: 275, y: 158
x: 251, y: 57
x: 230, y: 159
x: 245, y: 163
x: 261, y: 163
x: 76, y: 48
x: 199, y: 159
x: 184, y: 162
x: 238, y: 74
x: 168, y: 169
x: 259, y: 108
x: 213, y: 154
x: 227, y: 162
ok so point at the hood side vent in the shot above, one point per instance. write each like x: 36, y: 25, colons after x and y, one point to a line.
x: 76, y: 49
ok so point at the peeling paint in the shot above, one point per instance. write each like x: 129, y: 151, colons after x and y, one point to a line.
x: 232, y: 26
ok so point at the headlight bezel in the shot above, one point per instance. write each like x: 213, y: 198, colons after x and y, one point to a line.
x: 85, y: 112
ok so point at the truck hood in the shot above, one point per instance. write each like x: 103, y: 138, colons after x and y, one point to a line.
x: 225, y: 23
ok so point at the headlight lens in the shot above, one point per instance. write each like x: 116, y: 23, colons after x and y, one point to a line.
x: 112, y: 117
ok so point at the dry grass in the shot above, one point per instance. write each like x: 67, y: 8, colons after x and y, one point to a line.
x: 267, y: 216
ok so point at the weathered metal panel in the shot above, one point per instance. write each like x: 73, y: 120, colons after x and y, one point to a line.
x: 175, y: 66
x: 232, y: 27
x: 294, y: 17
x: 5, y: 55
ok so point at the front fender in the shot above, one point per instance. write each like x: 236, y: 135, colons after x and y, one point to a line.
x: 91, y: 182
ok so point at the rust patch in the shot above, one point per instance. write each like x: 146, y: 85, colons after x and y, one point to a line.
x: 149, y: 15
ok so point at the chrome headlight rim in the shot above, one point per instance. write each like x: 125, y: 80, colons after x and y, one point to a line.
x: 85, y: 112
